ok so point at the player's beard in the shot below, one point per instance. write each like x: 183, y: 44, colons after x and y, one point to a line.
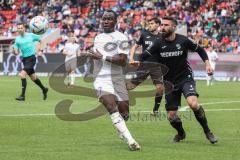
x: 167, y: 34
x: 21, y: 33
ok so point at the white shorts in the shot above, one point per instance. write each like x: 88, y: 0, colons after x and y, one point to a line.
x: 71, y: 64
x: 106, y: 86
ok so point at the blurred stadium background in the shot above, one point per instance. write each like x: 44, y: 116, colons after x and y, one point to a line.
x: 30, y: 130
x: 209, y: 22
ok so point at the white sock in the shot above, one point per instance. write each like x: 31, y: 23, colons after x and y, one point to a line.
x: 208, y: 80
x: 72, y: 77
x: 120, y: 124
x: 211, y: 80
x: 68, y: 79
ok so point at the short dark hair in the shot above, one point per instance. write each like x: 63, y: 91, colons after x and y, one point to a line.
x: 155, y: 19
x: 171, y: 19
x: 20, y: 23
x: 114, y: 13
x: 24, y: 24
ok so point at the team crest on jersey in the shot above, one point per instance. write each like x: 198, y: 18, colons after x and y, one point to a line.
x: 178, y: 46
x: 110, y: 46
x: 124, y: 45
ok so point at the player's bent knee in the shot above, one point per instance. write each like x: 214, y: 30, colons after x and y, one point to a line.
x: 193, y: 102
x: 171, y: 115
x: 125, y: 116
x: 33, y: 77
x: 22, y: 75
x: 160, y: 89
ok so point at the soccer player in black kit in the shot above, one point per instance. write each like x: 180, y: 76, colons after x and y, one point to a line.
x: 172, y: 50
x: 147, y: 38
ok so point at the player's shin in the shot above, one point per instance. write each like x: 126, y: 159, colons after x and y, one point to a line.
x: 201, y: 118
x: 39, y: 83
x: 158, y: 99
x: 120, y: 124
x: 176, y: 123
x: 24, y: 86
x: 72, y: 78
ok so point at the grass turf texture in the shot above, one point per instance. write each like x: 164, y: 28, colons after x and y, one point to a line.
x: 42, y: 136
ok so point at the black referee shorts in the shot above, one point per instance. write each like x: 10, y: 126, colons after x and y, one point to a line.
x: 28, y: 64
x: 148, y: 69
x: 173, y: 99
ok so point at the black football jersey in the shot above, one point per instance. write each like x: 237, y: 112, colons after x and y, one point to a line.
x: 174, y: 54
x: 146, y: 39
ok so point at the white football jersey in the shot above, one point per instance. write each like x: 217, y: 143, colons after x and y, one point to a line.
x: 72, y: 50
x: 212, y: 56
x: 109, y: 44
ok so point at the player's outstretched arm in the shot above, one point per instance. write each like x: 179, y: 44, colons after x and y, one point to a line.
x: 132, y: 53
x: 208, y: 67
x: 193, y: 46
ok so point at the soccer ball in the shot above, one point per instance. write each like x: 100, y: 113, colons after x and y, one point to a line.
x: 38, y: 24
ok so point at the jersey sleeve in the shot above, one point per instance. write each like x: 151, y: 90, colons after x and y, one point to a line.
x: 36, y: 37
x: 193, y: 46
x: 123, y: 46
x: 140, y: 40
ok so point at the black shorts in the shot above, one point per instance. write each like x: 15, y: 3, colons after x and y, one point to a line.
x: 148, y: 69
x: 173, y: 99
x: 28, y: 64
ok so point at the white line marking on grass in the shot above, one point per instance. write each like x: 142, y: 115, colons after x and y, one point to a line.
x: 209, y: 103
x: 183, y: 109
x: 26, y: 115
x: 230, y: 109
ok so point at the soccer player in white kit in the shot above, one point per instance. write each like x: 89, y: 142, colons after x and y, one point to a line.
x: 71, y: 50
x: 213, y: 57
x: 110, y: 56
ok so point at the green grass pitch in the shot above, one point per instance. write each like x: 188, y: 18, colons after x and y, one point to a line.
x: 30, y: 131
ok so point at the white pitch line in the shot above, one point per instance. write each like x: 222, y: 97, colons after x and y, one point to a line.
x: 39, y: 115
x: 209, y: 103
x: 181, y: 109
x: 26, y: 115
x: 230, y: 109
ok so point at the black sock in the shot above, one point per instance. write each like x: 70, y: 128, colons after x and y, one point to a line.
x: 24, y: 86
x: 158, y: 100
x: 177, y: 124
x: 39, y: 83
x: 201, y: 118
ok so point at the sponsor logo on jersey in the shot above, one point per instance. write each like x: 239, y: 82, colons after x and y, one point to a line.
x: 171, y: 54
x: 110, y: 46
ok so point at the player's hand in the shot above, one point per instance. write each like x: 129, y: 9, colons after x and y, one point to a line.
x: 209, y: 69
x: 95, y: 55
x: 134, y: 63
